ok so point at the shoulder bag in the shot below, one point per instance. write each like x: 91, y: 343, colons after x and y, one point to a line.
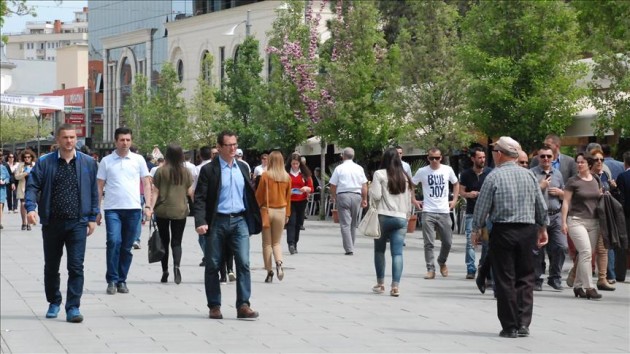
x: 370, y: 226
x: 156, y: 248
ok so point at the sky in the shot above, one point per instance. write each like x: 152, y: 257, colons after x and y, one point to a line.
x: 46, y: 11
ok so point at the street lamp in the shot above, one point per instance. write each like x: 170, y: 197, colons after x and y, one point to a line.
x: 247, y: 23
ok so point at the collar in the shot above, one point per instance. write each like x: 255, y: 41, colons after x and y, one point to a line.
x: 59, y: 154
x: 224, y: 163
x: 121, y: 157
x: 294, y: 173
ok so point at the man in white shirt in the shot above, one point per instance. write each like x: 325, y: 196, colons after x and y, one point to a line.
x: 120, y: 173
x: 405, y: 165
x: 190, y: 166
x: 436, y: 209
x: 239, y: 156
x: 348, y: 190
x: 206, y: 154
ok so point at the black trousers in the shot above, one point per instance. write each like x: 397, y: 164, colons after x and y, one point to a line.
x: 171, y: 231
x: 295, y: 221
x: 513, y: 270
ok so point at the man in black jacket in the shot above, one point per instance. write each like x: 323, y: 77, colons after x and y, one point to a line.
x: 226, y: 211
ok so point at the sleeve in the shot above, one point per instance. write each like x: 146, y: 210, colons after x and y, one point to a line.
x: 484, y: 201
x: 540, y: 206
x: 334, y: 179
x: 94, y: 192
x: 452, y: 177
x: 309, y: 184
x: 157, y: 179
x: 33, y: 187
x: 19, y: 172
x: 416, y: 179
x: 144, y: 170
x: 376, y: 191
x: 621, y: 185
x: 288, y: 198
x: 102, y: 170
x: 261, y: 190
x: 570, y: 186
x: 201, y: 194
x: 5, y: 174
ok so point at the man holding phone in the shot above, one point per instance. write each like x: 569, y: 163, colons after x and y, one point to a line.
x: 552, y: 187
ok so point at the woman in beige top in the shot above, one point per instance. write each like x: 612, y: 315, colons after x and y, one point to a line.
x: 21, y: 175
x: 274, y: 191
x: 172, y: 182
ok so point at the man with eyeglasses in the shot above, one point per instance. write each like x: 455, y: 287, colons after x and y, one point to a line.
x: 436, y: 209
x: 512, y: 199
x: 226, y: 212
x: 552, y: 187
x: 563, y: 163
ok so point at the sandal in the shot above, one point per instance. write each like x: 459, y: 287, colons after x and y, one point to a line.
x: 378, y: 288
x: 394, y: 292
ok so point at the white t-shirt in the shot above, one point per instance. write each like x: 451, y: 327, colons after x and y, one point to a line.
x: 258, y: 170
x: 198, y: 171
x: 348, y: 177
x: 407, y: 168
x: 191, y: 168
x: 435, y: 187
x: 122, y: 176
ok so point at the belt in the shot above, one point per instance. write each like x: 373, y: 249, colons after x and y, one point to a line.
x: 359, y: 193
x: 231, y: 215
x: 553, y: 211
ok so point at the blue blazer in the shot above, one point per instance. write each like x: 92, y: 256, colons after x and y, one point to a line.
x: 40, y: 185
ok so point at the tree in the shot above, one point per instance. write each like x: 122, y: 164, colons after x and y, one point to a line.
x: 361, y: 76
x: 205, y: 109
x: 17, y: 124
x: 432, y: 96
x: 520, y: 56
x: 605, y: 33
x: 242, y: 92
x: 14, y: 8
x: 159, y: 117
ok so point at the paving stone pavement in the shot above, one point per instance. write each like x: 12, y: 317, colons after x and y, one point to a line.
x: 324, y: 304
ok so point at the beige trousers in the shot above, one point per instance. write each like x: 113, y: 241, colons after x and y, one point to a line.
x: 584, y: 234
x: 271, y: 237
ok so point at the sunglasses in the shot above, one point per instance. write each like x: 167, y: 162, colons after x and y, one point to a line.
x: 28, y: 157
x: 598, y: 159
x: 545, y: 156
x: 523, y: 162
x: 434, y: 158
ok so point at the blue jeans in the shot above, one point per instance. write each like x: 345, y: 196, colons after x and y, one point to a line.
x: 470, y: 249
x: 392, y: 229
x: 142, y: 220
x: 122, y: 226
x: 234, y: 232
x: 72, y: 234
x: 202, y: 243
x: 611, y: 265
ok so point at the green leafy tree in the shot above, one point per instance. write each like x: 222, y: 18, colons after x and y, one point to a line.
x: 15, y: 8
x: 241, y: 93
x: 432, y: 96
x: 18, y: 124
x: 205, y: 109
x: 520, y: 56
x: 159, y: 116
x: 605, y: 33
x: 361, y: 77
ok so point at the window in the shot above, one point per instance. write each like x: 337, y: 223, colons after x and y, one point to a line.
x: 180, y: 70
x: 206, y: 66
x: 21, y: 45
x: 41, y: 46
x: 222, y: 65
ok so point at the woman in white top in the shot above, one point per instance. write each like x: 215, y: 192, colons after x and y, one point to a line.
x: 392, y: 191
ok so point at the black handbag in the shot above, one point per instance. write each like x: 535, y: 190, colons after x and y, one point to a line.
x: 156, y: 248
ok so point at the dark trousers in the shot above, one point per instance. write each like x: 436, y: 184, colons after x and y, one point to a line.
x: 72, y: 234
x: 12, y: 203
x: 556, y: 249
x: 171, y: 231
x: 228, y: 262
x: 513, y: 270
x: 295, y: 221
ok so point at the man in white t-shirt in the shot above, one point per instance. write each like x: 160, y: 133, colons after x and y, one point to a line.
x: 258, y: 170
x: 436, y: 209
x: 120, y: 173
x: 348, y: 190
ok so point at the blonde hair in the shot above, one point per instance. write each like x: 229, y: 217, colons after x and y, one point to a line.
x: 275, y: 167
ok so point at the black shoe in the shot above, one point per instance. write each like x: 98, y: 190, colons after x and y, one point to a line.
x: 302, y: 228
x: 509, y: 333
x: 23, y: 227
x: 122, y: 288
x: 28, y: 227
x: 537, y: 287
x: 481, y: 283
x: 523, y: 331
x: 203, y: 263
x: 349, y: 253
x: 555, y: 284
x: 111, y: 288
x: 269, y: 278
x: 292, y: 249
x: 178, y: 275
x: 164, y: 277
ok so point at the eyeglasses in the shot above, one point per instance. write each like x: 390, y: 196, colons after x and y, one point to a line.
x: 28, y: 157
x: 598, y: 159
x: 545, y: 156
x: 230, y: 145
x: 434, y: 158
x: 523, y: 162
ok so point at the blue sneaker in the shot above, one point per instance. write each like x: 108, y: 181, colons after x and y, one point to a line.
x: 53, y: 311
x: 73, y: 315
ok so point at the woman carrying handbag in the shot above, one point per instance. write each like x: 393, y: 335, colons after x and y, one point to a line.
x: 274, y: 198
x: 391, y: 191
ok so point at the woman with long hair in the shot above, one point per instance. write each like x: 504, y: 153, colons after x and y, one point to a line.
x: 392, y: 191
x: 580, y: 222
x: 301, y: 186
x: 27, y: 158
x: 11, y: 189
x: 274, y: 193
x: 172, y: 183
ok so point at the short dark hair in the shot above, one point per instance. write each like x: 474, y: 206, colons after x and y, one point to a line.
x: 435, y: 149
x: 64, y: 126
x: 223, y: 134
x: 473, y: 152
x: 626, y: 157
x: 205, y: 152
x: 606, y: 149
x: 588, y: 158
x: 122, y: 131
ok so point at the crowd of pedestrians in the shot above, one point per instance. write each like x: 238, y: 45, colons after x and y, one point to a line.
x: 519, y: 211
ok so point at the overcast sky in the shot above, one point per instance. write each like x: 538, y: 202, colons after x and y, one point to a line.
x: 46, y: 11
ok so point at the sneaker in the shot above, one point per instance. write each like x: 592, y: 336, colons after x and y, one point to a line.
x: 378, y: 288
x: 246, y: 312
x: 444, y: 270
x: 523, y: 331
x: 136, y: 245
x: 74, y: 315
x: 430, y: 275
x: 111, y: 288
x: 537, y: 287
x: 122, y: 288
x: 470, y: 275
x: 231, y: 276
x: 53, y: 311
x: 394, y: 292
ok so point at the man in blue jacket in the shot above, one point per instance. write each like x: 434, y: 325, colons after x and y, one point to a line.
x: 62, y: 186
